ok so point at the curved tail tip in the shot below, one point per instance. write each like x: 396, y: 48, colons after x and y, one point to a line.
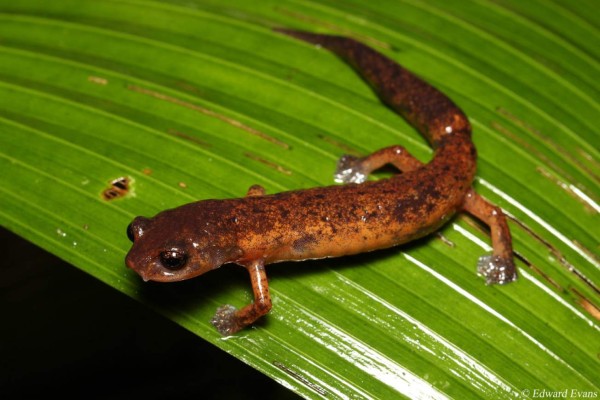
x: 314, y: 38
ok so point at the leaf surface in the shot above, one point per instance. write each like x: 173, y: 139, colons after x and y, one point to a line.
x: 200, y: 99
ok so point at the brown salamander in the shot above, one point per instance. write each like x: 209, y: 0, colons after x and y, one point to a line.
x: 332, y: 221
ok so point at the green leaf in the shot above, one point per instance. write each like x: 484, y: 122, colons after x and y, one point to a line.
x: 200, y: 99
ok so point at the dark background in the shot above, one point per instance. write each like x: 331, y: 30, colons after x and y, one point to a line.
x: 67, y: 334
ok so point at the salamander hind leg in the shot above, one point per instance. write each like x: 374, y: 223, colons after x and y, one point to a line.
x: 229, y: 320
x: 351, y: 169
x: 498, y: 267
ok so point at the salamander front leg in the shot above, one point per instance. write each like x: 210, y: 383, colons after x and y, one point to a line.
x: 352, y: 169
x: 256, y: 190
x: 499, y: 267
x: 228, y: 320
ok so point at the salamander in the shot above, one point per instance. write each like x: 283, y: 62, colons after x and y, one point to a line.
x: 358, y: 216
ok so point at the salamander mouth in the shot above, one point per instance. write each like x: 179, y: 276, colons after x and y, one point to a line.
x: 154, y: 273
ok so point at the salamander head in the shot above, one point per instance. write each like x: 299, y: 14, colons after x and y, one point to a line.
x: 165, y: 249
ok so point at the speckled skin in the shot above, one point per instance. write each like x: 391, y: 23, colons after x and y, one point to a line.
x: 329, y: 221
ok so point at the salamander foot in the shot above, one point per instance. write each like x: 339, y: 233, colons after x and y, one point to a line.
x: 350, y: 169
x: 225, y: 320
x: 496, y: 269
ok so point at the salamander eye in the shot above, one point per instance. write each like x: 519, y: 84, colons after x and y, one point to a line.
x: 130, y: 232
x: 173, y: 259
x: 137, y: 227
